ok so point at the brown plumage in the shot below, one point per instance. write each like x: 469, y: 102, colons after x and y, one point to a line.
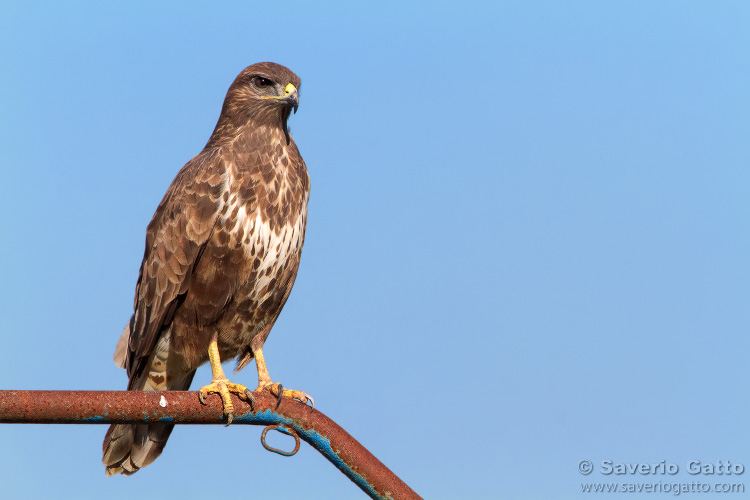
x: 222, y: 253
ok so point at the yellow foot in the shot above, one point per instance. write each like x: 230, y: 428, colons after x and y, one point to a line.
x: 278, y: 390
x: 223, y: 388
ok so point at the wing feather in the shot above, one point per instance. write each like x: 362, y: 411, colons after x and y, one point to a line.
x: 175, y: 239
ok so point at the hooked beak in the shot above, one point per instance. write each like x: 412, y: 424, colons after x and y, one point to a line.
x: 291, y: 96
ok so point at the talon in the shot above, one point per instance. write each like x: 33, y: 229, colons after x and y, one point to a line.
x: 224, y: 388
x: 276, y: 389
x: 278, y: 401
x: 250, y: 398
x: 219, y: 383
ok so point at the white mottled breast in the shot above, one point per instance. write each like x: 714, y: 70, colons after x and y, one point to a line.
x: 258, y: 239
x: 274, y: 247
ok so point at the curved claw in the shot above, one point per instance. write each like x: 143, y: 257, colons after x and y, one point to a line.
x: 281, y: 392
x: 202, y: 397
x: 312, y: 401
x: 230, y: 417
x: 250, y: 398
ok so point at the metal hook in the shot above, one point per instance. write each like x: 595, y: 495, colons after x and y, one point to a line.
x: 283, y: 430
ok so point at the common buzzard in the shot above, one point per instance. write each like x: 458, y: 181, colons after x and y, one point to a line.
x: 222, y: 253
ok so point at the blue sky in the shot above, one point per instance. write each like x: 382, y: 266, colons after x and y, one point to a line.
x: 527, y: 240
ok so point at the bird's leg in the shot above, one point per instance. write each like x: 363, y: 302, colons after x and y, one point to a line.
x: 276, y: 389
x: 220, y: 385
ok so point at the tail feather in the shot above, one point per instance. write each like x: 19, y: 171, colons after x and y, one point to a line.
x: 130, y: 447
x: 117, y: 443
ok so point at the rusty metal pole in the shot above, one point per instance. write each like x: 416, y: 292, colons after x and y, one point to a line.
x: 183, y: 407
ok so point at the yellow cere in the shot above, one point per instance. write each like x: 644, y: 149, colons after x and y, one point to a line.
x: 289, y: 89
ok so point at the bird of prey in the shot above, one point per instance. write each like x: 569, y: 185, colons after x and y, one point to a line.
x: 222, y: 253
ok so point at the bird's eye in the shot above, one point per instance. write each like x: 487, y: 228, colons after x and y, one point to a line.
x: 262, y: 83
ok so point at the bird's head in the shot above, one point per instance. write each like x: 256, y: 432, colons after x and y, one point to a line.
x: 263, y: 94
